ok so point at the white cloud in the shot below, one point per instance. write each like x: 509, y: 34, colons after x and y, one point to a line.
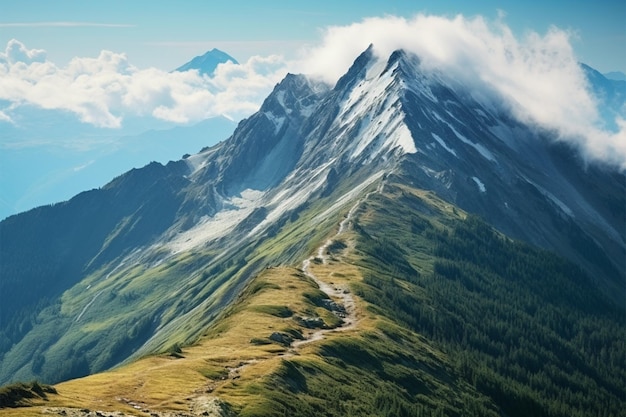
x: 537, y: 76
x: 16, y: 52
x: 83, y: 166
x: 104, y: 90
x: 5, y: 118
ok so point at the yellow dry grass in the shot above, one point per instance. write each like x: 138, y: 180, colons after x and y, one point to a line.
x: 222, y: 363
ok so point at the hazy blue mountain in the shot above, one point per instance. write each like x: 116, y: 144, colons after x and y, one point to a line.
x: 611, y: 95
x: 615, y: 75
x: 207, y: 63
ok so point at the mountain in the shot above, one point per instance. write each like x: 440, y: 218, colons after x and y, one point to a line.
x: 389, y: 245
x: 611, y: 96
x: 207, y: 63
x: 615, y: 75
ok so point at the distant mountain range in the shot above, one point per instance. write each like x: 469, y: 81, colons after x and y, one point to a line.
x: 611, y: 96
x: 390, y: 245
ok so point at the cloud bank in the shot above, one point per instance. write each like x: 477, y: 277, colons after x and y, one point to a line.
x: 537, y: 76
x: 103, y: 90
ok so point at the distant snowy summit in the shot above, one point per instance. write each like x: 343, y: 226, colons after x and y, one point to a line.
x: 207, y: 63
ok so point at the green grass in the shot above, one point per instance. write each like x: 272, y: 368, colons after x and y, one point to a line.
x: 328, y: 377
x: 174, y: 300
x: 23, y: 394
x: 368, y: 375
x: 274, y: 310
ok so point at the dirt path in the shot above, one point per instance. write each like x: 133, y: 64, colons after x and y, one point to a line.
x: 340, y: 294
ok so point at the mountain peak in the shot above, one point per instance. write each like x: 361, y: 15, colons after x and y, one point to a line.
x: 295, y: 92
x: 357, y: 69
x: 207, y: 63
x: 406, y: 63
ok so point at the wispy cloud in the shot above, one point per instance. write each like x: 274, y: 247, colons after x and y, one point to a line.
x: 63, y: 24
x: 83, y: 166
x: 5, y: 118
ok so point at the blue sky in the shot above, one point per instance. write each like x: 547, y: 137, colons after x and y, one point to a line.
x: 167, y: 34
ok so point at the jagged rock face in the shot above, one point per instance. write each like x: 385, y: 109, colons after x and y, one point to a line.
x: 265, y: 147
x: 385, y: 116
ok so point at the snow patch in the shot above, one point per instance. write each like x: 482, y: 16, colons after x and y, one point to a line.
x: 420, y: 85
x: 347, y: 197
x: 95, y: 297
x: 561, y: 205
x: 484, y: 152
x: 479, y: 147
x: 280, y: 97
x: 276, y: 120
x: 294, y: 196
x: 198, y: 161
x: 564, y: 208
x: 211, y: 228
x: 443, y: 144
x: 373, y: 107
x: 404, y: 139
x: 481, y: 113
x: 307, y: 111
x: 430, y: 172
x: 451, y: 115
x: 480, y: 184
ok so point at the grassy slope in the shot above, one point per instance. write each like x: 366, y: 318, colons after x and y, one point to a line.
x: 128, y: 300
x: 388, y: 364
x: 262, y: 378
x: 236, y: 361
